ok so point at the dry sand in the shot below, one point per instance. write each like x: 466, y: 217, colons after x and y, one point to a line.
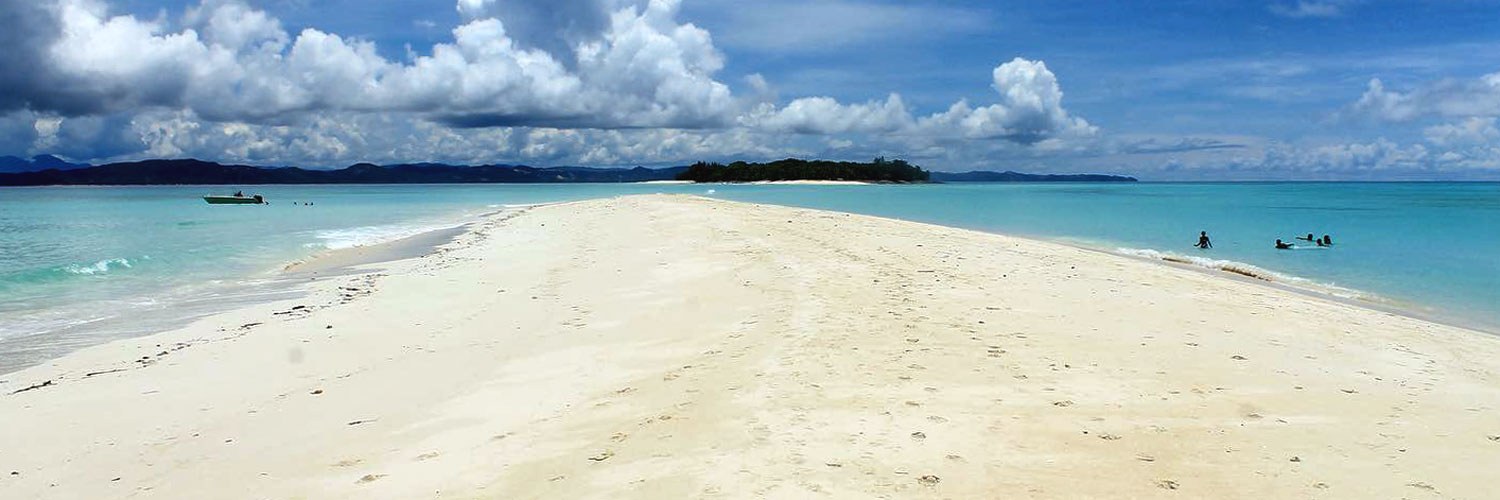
x: 673, y: 346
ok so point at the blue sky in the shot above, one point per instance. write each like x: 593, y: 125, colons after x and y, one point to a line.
x: 1312, y: 89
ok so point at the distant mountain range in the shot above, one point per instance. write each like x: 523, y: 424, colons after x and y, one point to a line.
x: 49, y: 171
x: 202, y: 172
x: 13, y: 164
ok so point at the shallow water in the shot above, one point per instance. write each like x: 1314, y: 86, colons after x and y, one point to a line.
x: 1431, y: 247
x: 83, y: 265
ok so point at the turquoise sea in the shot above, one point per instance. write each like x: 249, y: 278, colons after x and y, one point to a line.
x: 84, y: 265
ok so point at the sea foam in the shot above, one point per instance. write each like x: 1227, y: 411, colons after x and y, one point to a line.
x: 1251, y: 271
x: 335, y: 239
x: 99, y: 267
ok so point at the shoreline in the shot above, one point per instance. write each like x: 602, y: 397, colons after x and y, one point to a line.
x: 1389, y: 308
x: 1169, y: 262
x: 277, y: 282
x: 334, y: 262
x: 655, y: 346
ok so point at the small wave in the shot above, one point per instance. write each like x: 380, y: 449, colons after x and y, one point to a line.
x: 99, y: 267
x: 1250, y: 271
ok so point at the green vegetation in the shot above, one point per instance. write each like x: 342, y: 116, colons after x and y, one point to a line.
x: 792, y: 169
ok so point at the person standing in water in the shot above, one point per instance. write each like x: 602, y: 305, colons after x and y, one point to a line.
x: 1203, y: 240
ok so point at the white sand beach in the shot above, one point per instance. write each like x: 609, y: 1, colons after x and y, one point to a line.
x: 668, y: 346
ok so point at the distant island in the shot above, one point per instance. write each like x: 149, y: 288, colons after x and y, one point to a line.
x: 45, y: 170
x: 1008, y: 176
x: 792, y: 169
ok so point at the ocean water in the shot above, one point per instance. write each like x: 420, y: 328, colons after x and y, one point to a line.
x: 84, y: 265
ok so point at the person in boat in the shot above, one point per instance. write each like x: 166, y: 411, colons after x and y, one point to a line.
x: 1203, y: 240
x: 239, y: 194
x: 1281, y: 245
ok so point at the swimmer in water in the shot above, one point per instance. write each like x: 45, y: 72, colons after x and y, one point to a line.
x: 1280, y: 245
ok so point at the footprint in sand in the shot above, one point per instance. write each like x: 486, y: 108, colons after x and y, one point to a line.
x: 369, y: 478
x: 426, y: 456
x: 348, y: 463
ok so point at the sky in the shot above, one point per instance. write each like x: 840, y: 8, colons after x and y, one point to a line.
x: 1190, y: 90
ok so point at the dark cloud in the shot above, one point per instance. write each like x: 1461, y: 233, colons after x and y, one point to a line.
x: 27, y: 29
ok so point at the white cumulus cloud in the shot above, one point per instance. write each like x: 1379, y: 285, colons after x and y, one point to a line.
x: 1029, y: 111
x: 1445, y: 98
x: 599, y: 82
x: 233, y: 62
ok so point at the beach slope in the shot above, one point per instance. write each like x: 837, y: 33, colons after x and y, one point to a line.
x: 675, y: 346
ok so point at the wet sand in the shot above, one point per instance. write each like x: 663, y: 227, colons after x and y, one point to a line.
x: 674, y: 346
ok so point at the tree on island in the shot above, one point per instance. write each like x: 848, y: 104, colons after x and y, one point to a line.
x: 793, y: 169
